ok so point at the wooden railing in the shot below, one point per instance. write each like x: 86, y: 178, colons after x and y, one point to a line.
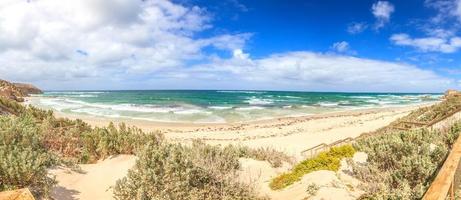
x: 313, y: 151
x: 433, y: 122
x: 444, y: 185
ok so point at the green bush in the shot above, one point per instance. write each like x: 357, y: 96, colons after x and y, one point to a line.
x: 401, y: 165
x: 173, y: 171
x: 329, y: 160
x: 23, y: 157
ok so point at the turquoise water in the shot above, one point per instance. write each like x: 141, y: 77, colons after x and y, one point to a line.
x: 216, y: 106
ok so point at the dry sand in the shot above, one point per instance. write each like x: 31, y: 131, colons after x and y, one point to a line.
x: 94, y: 181
x: 291, y: 135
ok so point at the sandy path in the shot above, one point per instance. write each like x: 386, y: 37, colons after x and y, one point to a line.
x: 94, y: 181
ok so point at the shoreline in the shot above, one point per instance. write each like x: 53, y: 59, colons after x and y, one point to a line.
x: 103, y: 121
x: 179, y: 126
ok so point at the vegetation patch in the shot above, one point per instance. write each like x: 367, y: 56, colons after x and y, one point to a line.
x: 24, y: 158
x: 173, y: 171
x: 401, y: 165
x: 436, y: 111
x: 329, y: 160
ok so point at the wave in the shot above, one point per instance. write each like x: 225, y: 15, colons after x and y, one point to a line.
x: 291, y: 97
x: 78, y: 95
x: 81, y: 92
x: 250, y: 108
x: 191, y: 111
x: 328, y: 104
x: 258, y: 101
x: 96, y: 112
x: 362, y: 97
x: 241, y: 91
x: 76, y: 105
x: 220, y: 107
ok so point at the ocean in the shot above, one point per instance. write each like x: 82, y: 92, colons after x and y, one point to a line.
x: 216, y: 106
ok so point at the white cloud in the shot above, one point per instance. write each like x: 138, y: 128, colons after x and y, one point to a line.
x: 88, y: 38
x: 356, y: 27
x: 445, y: 9
x: 382, y: 11
x: 426, y: 44
x: 316, y: 71
x: 341, y: 47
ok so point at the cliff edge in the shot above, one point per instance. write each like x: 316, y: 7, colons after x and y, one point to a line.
x: 16, y: 91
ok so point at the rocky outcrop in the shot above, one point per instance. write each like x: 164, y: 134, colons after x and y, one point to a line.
x: 16, y: 91
x: 10, y: 91
x: 28, y: 88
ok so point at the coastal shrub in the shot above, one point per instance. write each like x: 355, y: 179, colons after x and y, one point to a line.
x: 111, y: 140
x: 172, y: 171
x: 23, y: 157
x: 402, y: 164
x: 274, y: 157
x: 329, y: 160
x: 11, y: 105
x: 436, y: 111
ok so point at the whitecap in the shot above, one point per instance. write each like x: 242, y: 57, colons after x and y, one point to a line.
x: 250, y: 108
x: 191, y: 111
x: 328, y: 104
x: 362, y: 97
x: 241, y: 91
x: 258, y: 101
x: 220, y: 107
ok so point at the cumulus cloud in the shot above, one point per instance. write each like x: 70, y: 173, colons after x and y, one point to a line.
x: 95, y: 37
x: 426, y: 44
x: 382, y: 11
x: 317, y: 71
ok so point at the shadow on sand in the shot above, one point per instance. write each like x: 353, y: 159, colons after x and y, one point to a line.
x: 63, y: 193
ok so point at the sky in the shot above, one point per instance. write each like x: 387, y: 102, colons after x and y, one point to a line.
x: 300, y: 45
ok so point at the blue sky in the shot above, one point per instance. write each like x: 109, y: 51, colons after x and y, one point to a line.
x: 319, y: 45
x: 281, y: 26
